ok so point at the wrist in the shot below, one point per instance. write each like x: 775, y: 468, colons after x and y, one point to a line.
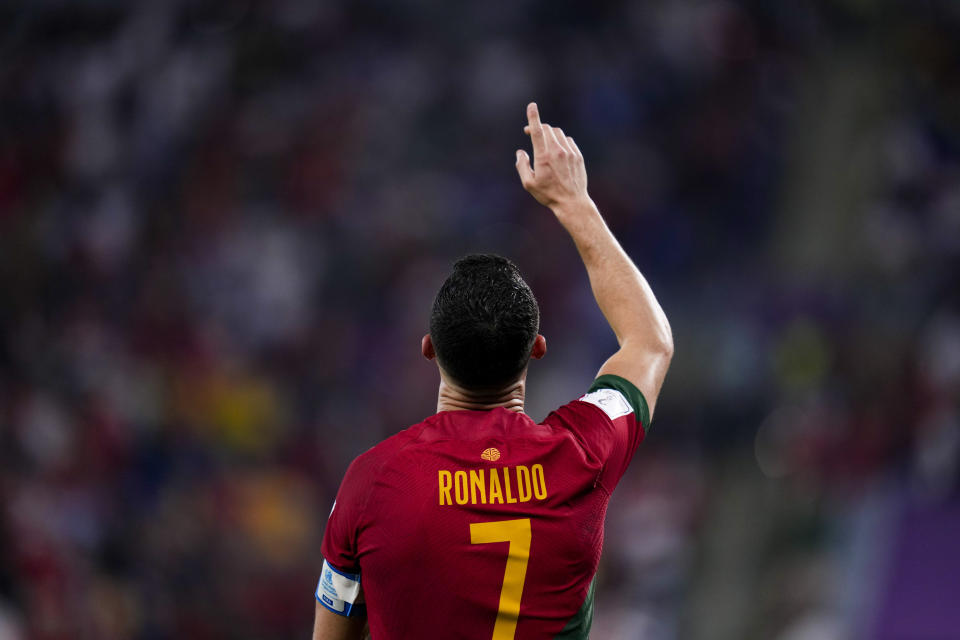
x: 575, y: 214
x: 578, y: 208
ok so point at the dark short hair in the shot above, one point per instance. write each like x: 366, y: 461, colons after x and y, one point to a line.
x: 484, y: 322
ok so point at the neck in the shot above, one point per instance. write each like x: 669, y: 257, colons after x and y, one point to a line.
x: 453, y: 397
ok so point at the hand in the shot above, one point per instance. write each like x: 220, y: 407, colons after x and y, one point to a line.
x: 558, y: 178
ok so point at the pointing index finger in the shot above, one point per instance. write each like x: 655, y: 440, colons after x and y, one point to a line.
x: 535, y: 128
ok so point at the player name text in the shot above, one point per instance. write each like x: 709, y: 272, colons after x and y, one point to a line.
x: 496, y: 485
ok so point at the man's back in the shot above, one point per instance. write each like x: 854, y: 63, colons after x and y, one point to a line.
x: 477, y: 522
x: 454, y: 522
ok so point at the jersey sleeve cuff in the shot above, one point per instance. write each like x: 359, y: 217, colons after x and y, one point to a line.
x: 633, y: 395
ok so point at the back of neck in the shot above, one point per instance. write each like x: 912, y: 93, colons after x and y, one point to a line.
x: 452, y: 397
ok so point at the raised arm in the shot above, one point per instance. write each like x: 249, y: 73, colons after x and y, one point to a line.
x: 558, y: 180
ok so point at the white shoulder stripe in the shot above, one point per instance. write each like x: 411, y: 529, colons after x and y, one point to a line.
x: 612, y: 402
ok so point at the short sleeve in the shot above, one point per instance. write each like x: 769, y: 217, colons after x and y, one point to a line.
x: 339, y: 588
x: 610, y: 421
x: 629, y: 392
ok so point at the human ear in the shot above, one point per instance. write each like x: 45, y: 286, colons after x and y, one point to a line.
x: 426, y: 348
x: 539, y: 347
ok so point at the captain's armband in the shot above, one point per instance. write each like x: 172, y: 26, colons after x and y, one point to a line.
x: 340, y: 592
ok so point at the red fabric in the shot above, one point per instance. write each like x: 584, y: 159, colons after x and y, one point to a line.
x: 421, y: 575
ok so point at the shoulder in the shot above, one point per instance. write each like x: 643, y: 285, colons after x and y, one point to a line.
x: 609, y: 399
x: 367, y: 465
x: 608, y: 422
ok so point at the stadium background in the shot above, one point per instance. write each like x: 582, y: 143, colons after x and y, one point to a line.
x: 221, y: 227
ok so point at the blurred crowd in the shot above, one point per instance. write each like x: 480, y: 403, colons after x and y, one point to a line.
x: 222, y: 226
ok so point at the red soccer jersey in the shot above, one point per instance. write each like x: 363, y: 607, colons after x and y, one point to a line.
x: 482, y: 524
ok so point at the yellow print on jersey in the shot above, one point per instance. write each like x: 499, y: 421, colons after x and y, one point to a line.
x: 497, y: 485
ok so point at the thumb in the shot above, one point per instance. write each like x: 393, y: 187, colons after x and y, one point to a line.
x: 523, y: 167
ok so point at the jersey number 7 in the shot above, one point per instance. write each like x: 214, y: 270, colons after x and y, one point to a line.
x: 517, y: 533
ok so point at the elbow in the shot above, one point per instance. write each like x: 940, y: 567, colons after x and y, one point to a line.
x: 665, y: 347
x: 668, y: 347
x: 664, y: 343
x: 658, y: 346
x: 656, y: 342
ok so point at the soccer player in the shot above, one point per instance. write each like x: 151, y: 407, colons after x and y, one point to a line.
x: 478, y: 522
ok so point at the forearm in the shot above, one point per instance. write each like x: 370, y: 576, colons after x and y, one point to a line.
x: 621, y: 291
x: 558, y: 180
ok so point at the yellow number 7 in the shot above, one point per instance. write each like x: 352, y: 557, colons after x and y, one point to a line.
x: 517, y: 533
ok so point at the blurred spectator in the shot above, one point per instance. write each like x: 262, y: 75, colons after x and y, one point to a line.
x: 222, y: 224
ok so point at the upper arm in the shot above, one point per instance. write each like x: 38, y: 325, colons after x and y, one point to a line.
x: 644, y: 367
x: 340, y: 537
x: 339, y: 594
x: 330, y: 626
